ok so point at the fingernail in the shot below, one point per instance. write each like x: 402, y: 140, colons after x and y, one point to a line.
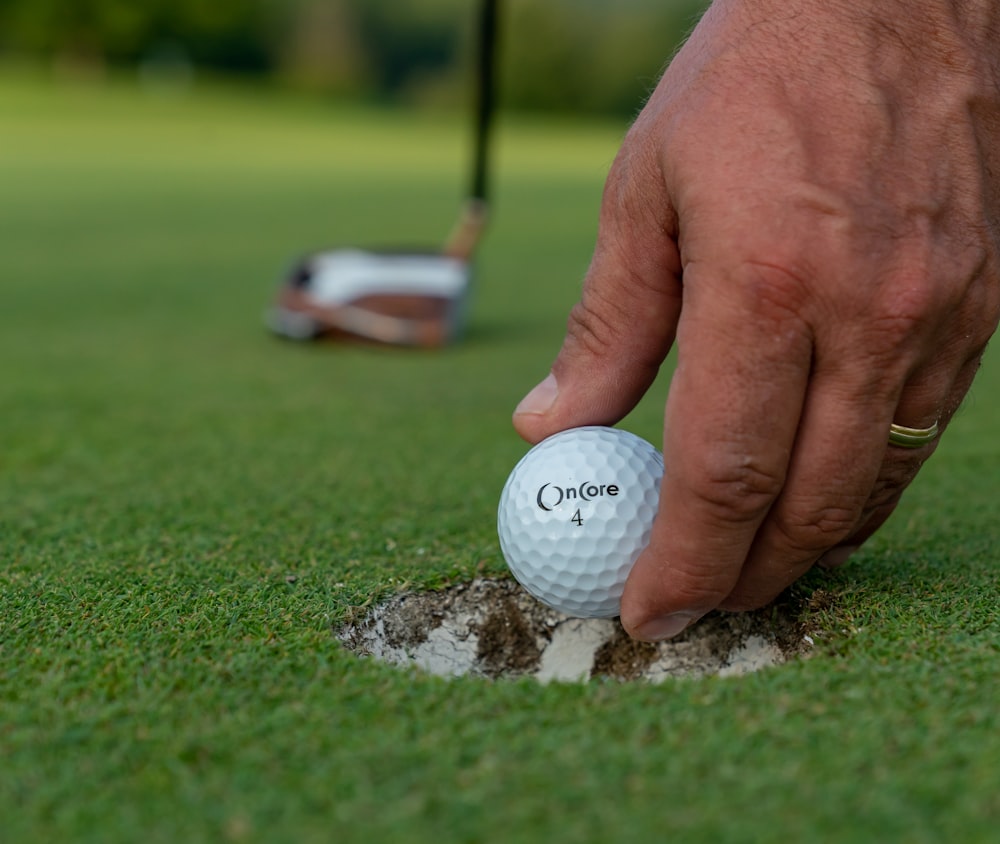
x: 540, y: 399
x: 665, y: 627
x: 836, y: 557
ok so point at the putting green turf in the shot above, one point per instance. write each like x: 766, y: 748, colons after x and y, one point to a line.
x: 189, y: 507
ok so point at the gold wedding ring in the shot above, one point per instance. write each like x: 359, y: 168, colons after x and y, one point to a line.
x: 911, y: 437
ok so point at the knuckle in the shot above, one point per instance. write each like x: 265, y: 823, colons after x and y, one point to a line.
x: 872, y: 519
x: 911, y: 304
x: 896, y: 323
x: 772, y: 291
x: 812, y: 530
x: 590, y: 329
x: 700, y: 590
x: 736, y: 491
x: 745, y: 600
x: 617, y: 311
x: 893, y: 481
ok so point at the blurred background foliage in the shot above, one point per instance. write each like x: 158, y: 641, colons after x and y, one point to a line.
x: 599, y: 56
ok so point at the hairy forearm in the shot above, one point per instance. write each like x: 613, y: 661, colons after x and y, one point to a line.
x: 941, y: 29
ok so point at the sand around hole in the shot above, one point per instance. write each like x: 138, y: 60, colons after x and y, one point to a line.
x: 493, y: 628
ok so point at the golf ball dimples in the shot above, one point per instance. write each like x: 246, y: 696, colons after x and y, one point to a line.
x: 574, y: 515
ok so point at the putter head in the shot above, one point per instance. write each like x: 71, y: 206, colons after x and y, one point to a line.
x: 415, y: 299
x: 403, y: 298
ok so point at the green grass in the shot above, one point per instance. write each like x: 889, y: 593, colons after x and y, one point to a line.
x: 189, y: 507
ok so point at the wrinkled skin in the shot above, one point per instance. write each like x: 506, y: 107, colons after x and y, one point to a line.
x: 809, y: 208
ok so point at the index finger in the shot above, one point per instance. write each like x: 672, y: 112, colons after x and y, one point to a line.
x: 731, y: 418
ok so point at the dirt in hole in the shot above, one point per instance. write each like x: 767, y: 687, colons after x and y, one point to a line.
x: 622, y: 656
x: 493, y: 628
x: 506, y: 641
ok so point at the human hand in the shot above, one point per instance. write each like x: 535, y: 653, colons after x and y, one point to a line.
x: 809, y: 205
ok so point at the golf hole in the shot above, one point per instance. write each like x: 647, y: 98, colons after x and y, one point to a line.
x: 494, y: 629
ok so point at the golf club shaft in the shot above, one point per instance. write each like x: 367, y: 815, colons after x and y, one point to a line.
x: 465, y: 236
x: 486, y: 93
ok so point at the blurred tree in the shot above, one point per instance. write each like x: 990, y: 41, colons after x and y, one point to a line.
x: 590, y: 55
x: 567, y: 55
x: 405, y: 40
x: 227, y: 34
x: 320, y: 48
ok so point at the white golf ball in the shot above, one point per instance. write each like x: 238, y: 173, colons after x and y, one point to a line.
x: 574, y: 515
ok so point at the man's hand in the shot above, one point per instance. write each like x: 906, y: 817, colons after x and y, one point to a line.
x: 809, y: 206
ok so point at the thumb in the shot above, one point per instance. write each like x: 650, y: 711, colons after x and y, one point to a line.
x: 624, y: 324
